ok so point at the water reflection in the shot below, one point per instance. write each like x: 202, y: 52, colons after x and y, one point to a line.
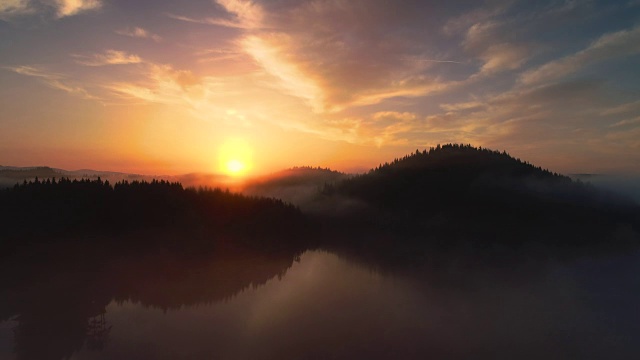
x: 58, y: 297
x: 237, y: 303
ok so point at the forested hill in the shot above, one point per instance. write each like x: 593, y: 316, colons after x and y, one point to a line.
x: 467, y: 159
x: 447, y: 173
x: 298, y: 185
x: 61, y: 208
x: 459, y: 185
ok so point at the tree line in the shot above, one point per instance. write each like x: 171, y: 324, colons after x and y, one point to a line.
x: 63, y: 207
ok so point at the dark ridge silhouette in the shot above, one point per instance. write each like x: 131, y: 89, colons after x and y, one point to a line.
x: 11, y: 175
x: 461, y: 191
x: 43, y: 210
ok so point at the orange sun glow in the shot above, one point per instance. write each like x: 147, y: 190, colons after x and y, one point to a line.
x: 235, y: 157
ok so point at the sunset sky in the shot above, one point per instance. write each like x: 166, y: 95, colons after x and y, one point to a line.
x: 176, y: 86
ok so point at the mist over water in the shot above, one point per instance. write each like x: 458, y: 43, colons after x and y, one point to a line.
x: 332, y: 306
x: 623, y: 185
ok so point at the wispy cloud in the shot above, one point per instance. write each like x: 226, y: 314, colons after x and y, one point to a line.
x: 471, y: 105
x: 61, y: 8
x: 138, y: 32
x: 291, y: 78
x: 609, y: 46
x: 489, y: 41
x: 213, y: 55
x: 369, y: 72
x: 54, y: 80
x: 625, y: 122
x: 323, y: 53
x: 109, y: 57
x: 208, y: 21
x: 623, y: 109
x: 248, y: 13
x: 163, y: 84
x: 73, y: 7
x: 13, y: 8
x: 419, y: 59
x: 244, y: 14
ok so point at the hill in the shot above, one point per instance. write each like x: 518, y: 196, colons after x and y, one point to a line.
x: 297, y: 185
x: 462, y: 190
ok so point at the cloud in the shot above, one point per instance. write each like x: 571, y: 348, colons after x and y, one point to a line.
x: 248, y: 14
x: 62, y: 8
x: 374, y: 72
x: 332, y: 54
x: 214, y: 55
x: 609, y: 46
x: 558, y: 118
x: 622, y: 114
x: 462, y: 23
x: 553, y: 116
x: 472, y: 105
x: 109, y: 57
x: 73, y: 7
x: 217, y: 99
x: 138, y: 32
x: 208, y: 21
x: 504, y: 57
x: 54, y: 80
x: 242, y: 14
x: 625, y: 122
x: 13, y: 8
x: 161, y: 84
x: 489, y: 41
x: 268, y: 55
x: 387, y: 127
x: 625, y: 109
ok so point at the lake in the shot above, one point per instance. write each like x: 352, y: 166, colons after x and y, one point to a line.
x: 319, y: 304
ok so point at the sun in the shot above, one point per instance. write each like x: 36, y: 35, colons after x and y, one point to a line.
x: 235, y: 166
x: 235, y: 157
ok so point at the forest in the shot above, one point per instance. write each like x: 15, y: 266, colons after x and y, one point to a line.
x: 62, y: 209
x: 474, y: 193
x: 445, y: 194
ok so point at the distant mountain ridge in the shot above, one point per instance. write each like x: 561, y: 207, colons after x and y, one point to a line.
x: 11, y: 175
x: 296, y: 185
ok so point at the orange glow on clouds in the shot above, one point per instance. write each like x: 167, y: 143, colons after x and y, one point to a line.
x: 248, y: 87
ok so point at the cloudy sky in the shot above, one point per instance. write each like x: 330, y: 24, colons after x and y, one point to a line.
x: 160, y: 86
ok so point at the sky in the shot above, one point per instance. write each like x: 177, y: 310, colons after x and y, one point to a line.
x: 176, y: 86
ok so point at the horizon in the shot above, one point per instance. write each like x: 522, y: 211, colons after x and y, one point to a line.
x: 234, y: 178
x: 348, y: 171
x: 248, y: 88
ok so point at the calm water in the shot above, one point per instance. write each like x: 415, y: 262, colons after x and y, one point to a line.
x: 324, y: 306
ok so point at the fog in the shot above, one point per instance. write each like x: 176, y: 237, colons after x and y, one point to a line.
x: 624, y: 185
